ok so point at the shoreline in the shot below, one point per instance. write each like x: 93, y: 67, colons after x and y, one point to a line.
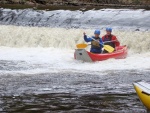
x: 36, y: 6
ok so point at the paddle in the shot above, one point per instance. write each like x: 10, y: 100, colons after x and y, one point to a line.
x: 110, y: 41
x: 81, y: 46
x: 106, y: 47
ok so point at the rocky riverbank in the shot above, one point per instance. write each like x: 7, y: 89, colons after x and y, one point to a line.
x: 77, y: 2
x: 74, y: 4
x: 36, y: 6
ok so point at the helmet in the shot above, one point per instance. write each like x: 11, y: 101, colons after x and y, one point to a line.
x: 97, y: 32
x: 109, y: 29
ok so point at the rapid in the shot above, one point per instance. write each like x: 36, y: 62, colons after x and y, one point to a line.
x: 38, y: 72
x: 54, y: 48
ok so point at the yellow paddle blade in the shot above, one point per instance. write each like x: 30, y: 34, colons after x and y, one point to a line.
x: 109, y: 48
x: 81, y: 46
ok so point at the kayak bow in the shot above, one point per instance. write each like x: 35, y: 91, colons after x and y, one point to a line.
x: 143, y: 92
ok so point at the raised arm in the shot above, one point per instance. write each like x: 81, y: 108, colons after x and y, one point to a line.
x: 86, y: 38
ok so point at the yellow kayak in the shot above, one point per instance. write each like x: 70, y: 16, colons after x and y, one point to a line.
x: 143, y: 91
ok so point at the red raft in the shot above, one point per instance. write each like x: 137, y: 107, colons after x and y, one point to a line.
x: 82, y: 54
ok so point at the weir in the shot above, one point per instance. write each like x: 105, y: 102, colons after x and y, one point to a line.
x: 18, y: 36
x: 38, y: 72
x: 116, y: 18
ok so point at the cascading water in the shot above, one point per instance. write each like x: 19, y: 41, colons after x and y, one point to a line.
x: 116, y: 18
x: 13, y: 36
x: 55, y: 47
x: 38, y: 72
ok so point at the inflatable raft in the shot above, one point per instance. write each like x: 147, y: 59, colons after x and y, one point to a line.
x: 82, y: 54
x: 143, y: 92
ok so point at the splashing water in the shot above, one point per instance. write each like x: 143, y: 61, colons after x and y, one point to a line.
x: 53, y: 48
x: 39, y: 60
x: 13, y: 36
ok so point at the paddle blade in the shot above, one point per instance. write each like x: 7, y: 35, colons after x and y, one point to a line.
x: 109, y: 48
x: 81, y: 46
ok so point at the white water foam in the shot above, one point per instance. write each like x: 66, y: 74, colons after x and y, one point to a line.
x: 53, y: 48
x: 13, y: 36
x: 56, y: 60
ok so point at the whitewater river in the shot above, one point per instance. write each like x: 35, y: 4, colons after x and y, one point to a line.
x: 38, y: 72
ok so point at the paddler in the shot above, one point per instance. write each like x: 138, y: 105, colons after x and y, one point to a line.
x: 110, y: 39
x: 96, y: 42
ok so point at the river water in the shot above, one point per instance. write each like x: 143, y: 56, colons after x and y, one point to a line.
x: 69, y: 92
x: 38, y: 72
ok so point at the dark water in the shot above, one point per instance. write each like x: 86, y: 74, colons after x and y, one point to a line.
x: 68, y: 92
x: 71, y: 103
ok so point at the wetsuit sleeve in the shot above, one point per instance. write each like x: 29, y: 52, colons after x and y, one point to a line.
x: 117, y: 43
x: 87, y: 39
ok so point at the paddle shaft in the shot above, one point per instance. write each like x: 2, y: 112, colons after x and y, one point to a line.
x: 111, y: 41
x: 106, y: 47
x: 97, y: 41
x: 105, y: 41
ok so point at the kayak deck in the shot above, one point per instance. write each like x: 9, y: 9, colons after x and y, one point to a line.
x: 143, y: 92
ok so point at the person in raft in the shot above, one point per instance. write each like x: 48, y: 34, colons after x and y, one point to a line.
x: 96, y: 42
x: 110, y: 39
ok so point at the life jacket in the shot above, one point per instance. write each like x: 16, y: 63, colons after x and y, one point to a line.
x: 109, y: 38
x: 95, y: 44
